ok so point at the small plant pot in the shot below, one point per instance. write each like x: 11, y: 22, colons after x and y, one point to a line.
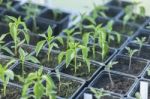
x: 67, y: 87
x: 143, y: 53
x: 20, y: 9
x: 137, y: 89
x: 137, y: 65
x: 110, y: 12
x: 143, y: 33
x: 127, y: 29
x: 28, y: 68
x: 88, y: 91
x: 5, y: 59
x: 82, y: 69
x: 50, y: 64
x: 118, y: 3
x: 98, y: 56
x: 139, y: 21
x: 25, y: 47
x: 61, y: 20
x: 41, y: 26
x: 122, y: 83
x: 62, y: 47
x: 13, y: 91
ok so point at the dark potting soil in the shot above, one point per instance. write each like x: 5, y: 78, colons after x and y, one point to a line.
x: 82, y: 69
x: 144, y: 53
x: 66, y: 87
x: 18, y: 71
x: 137, y: 65
x: 51, y: 63
x: 122, y: 84
x: 12, y: 92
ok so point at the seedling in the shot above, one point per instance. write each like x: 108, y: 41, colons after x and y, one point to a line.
x: 69, y: 33
x: 98, y: 93
x: 129, y: 12
x: 49, y: 38
x: 24, y: 56
x: 99, y: 11
x: 130, y: 53
x: 5, y: 75
x: 84, y: 17
x: 71, y: 54
x: 32, y: 11
x: 56, y: 14
x: 3, y: 47
x: 108, y: 67
x: 15, y: 32
x: 36, y: 79
x: 140, y: 42
x: 137, y: 95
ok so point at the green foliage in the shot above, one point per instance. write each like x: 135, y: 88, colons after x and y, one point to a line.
x: 2, y: 46
x: 129, y: 12
x: 24, y: 56
x: 140, y: 42
x: 71, y: 54
x: 98, y: 93
x: 130, y: 54
x: 15, y: 31
x: 36, y: 80
x: 99, y: 11
x: 6, y: 74
x: 48, y: 39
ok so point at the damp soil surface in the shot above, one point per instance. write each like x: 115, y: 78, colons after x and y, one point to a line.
x: 122, y: 84
x: 66, y: 87
x: 137, y: 65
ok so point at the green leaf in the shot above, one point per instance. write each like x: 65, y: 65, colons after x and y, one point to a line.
x: 85, y: 38
x: 38, y: 90
x: 39, y: 46
x: 60, y: 57
x: 69, y: 56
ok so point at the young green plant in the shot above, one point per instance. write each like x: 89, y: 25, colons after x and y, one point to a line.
x: 6, y: 74
x: 108, y: 67
x: 15, y: 31
x: 130, y: 54
x: 36, y: 79
x: 24, y: 56
x: 71, y: 53
x: 32, y: 11
x: 98, y: 93
x: 140, y: 42
x: 48, y: 39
